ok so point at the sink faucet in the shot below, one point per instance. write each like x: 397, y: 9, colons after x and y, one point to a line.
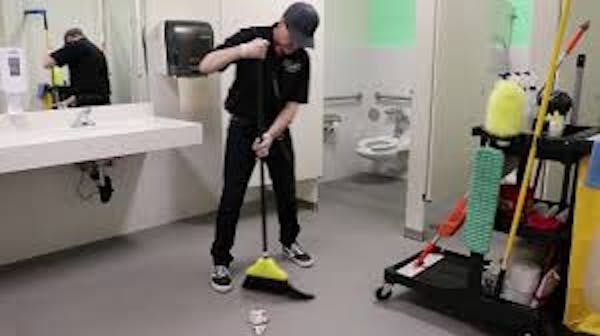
x: 83, y: 119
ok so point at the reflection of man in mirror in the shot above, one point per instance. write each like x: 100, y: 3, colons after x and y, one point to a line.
x: 88, y: 70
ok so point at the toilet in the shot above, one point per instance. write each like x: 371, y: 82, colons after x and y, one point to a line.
x: 388, y: 153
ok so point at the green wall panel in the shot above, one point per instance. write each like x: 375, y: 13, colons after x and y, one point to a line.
x: 523, y: 23
x: 392, y: 23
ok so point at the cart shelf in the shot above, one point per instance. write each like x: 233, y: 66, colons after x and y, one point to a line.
x: 568, y: 149
x: 450, y: 282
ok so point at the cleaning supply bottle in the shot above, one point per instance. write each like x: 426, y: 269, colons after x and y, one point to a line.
x: 557, y: 125
x: 593, y: 178
x: 532, y: 107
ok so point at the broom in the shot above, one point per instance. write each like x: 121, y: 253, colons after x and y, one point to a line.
x: 265, y: 275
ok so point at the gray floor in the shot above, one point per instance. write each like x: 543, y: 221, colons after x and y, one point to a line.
x: 156, y: 282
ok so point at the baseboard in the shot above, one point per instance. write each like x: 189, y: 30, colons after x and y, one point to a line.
x: 305, y: 205
x: 414, y: 235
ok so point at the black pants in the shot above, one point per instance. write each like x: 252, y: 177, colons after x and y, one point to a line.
x: 240, y: 160
x: 92, y: 99
x: 84, y: 99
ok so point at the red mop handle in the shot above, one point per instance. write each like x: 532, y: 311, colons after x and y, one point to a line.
x: 429, y: 249
x: 574, y: 41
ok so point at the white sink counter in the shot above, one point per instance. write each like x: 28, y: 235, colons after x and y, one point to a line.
x: 43, y: 139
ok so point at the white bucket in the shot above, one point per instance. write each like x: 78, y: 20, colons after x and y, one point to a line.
x: 517, y: 297
x: 522, y: 281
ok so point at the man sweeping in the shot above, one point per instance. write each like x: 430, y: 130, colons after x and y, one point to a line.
x: 88, y: 69
x: 279, y: 51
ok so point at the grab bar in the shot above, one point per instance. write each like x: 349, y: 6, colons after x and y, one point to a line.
x: 357, y: 97
x: 382, y: 97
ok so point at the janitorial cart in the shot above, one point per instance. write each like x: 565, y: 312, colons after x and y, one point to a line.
x: 474, y: 287
x: 457, y: 281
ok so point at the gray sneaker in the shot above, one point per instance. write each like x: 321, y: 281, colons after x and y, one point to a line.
x: 298, y: 255
x: 220, y: 279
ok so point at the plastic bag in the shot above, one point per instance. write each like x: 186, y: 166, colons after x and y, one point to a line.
x: 592, y: 281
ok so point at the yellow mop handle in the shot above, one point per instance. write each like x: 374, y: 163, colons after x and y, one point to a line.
x: 48, y: 48
x: 539, y: 125
x: 48, y: 42
x: 54, y: 97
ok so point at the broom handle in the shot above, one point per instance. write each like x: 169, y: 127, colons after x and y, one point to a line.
x: 261, y: 129
x: 537, y: 134
x: 263, y: 208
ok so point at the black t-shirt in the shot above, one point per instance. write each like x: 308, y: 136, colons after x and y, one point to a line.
x: 87, y: 67
x: 285, y: 77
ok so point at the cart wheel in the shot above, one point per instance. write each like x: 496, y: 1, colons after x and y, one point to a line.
x: 384, y: 292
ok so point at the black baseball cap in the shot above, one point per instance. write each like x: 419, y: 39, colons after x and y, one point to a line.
x: 302, y: 21
x: 73, y: 33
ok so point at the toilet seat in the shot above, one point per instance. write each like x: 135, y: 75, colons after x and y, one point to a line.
x: 383, y: 146
x: 389, y: 154
x: 379, y: 144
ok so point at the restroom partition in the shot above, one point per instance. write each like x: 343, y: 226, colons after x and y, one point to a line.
x: 456, y: 69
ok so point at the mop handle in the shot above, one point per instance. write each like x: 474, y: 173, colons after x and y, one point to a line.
x: 54, y: 91
x: 541, y: 116
x: 574, y: 41
x: 49, y: 49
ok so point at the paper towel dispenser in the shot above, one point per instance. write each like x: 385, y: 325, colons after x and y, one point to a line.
x: 182, y: 45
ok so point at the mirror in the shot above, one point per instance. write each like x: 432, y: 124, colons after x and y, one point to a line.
x: 113, y: 26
